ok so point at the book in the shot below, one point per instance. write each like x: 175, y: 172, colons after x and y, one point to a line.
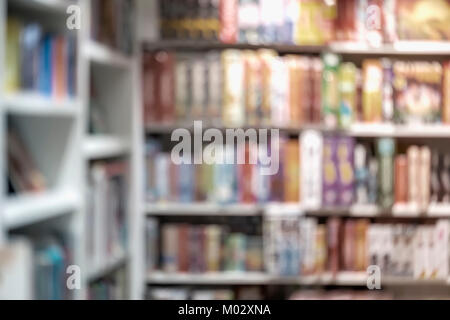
x: 12, y: 55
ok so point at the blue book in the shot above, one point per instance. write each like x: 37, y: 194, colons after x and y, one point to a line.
x: 45, y: 66
x: 29, y: 54
x: 186, y: 182
x: 152, y: 149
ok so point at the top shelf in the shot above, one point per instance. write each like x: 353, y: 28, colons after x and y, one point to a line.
x: 47, y: 6
x: 398, y: 48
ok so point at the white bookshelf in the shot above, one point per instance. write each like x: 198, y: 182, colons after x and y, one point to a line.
x: 104, y: 146
x: 115, y: 74
x: 55, y: 130
x: 25, y: 210
x: 343, y: 278
x: 38, y: 105
x: 51, y: 130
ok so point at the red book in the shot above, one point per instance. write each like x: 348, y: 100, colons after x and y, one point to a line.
x: 228, y: 15
x: 245, y: 176
x: 333, y: 228
x: 149, y: 89
x: 165, y: 85
x: 183, y: 248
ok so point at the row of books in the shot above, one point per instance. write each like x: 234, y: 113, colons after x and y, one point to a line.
x: 304, y: 246
x: 35, y: 267
x: 110, y: 288
x: 245, y: 87
x: 315, y: 170
x: 23, y: 174
x: 208, y: 248
x: 107, y: 218
x: 184, y: 293
x: 112, y: 23
x: 38, y: 61
x: 310, y: 22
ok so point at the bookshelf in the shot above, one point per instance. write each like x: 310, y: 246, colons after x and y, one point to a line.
x: 55, y: 130
x: 113, y: 74
x: 50, y: 128
x: 432, y: 134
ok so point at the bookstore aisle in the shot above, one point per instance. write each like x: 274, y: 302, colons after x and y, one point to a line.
x: 224, y: 149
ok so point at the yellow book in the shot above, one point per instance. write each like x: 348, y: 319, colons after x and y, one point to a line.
x: 12, y: 72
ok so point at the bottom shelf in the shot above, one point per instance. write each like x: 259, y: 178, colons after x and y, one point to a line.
x: 344, y: 278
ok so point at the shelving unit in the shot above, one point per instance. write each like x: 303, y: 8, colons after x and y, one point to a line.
x: 441, y: 132
x: 56, y: 132
x: 117, y: 76
x: 38, y: 119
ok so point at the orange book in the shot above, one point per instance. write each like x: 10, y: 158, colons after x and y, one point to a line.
x: 292, y: 171
x: 361, y: 228
x: 59, y: 66
x: 401, y: 179
x: 446, y: 93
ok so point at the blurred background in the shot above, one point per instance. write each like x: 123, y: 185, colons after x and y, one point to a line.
x: 93, y: 207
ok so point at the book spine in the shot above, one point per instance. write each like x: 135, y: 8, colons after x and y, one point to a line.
x: 424, y: 176
x: 372, y: 90
x: 413, y: 174
x: 333, y: 227
x: 330, y: 184
x: 292, y: 171
x: 150, y: 89
x: 166, y: 85
x: 183, y: 248
x: 446, y: 93
x: 233, y: 92
x: 228, y: 15
x: 345, y: 157
x: 401, y: 179
x: 386, y: 150
x: 311, y: 164
x: 169, y: 234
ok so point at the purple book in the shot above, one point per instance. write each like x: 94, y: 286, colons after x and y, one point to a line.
x: 330, y: 182
x: 345, y: 155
